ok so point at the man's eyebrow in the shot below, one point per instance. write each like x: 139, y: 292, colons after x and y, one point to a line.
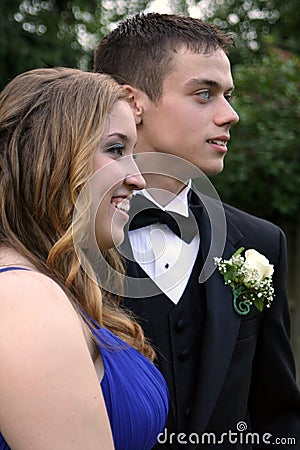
x: 195, y: 83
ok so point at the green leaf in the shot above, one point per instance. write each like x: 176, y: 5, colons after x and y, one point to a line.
x: 259, y: 304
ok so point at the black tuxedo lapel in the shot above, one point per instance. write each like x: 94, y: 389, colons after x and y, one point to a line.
x: 220, y: 331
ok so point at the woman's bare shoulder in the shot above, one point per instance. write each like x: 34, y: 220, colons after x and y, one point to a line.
x: 25, y: 289
x: 33, y: 307
x: 45, y: 360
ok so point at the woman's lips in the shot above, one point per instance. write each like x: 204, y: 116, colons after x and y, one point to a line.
x: 121, y: 203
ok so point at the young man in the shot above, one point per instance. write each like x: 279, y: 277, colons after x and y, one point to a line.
x: 228, y: 373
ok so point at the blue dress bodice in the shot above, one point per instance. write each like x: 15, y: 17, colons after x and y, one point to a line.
x: 134, y: 391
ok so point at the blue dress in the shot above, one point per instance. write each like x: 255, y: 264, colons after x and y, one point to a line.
x: 134, y: 391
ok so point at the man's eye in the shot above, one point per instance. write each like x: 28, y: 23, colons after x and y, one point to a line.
x: 116, y: 149
x: 229, y: 97
x: 204, y: 95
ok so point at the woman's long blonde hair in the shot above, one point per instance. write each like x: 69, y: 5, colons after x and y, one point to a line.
x: 51, y: 121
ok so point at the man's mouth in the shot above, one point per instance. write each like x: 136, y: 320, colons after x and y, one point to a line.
x: 217, y: 142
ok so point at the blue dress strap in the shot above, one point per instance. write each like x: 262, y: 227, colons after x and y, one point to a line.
x: 3, y: 443
x: 8, y: 269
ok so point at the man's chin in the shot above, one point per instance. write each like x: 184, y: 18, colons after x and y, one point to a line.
x: 212, y: 170
x: 215, y: 172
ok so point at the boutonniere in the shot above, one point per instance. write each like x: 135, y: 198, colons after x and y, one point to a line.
x: 250, y: 278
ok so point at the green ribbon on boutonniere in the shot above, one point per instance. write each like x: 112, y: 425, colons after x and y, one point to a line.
x: 250, y: 279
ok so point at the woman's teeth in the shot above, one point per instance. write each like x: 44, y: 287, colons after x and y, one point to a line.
x: 124, y: 205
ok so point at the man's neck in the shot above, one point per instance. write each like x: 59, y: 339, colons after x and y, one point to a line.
x: 163, y: 189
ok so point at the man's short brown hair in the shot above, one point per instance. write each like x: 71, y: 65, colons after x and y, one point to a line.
x: 140, y: 50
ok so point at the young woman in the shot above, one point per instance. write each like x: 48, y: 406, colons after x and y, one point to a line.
x: 75, y: 370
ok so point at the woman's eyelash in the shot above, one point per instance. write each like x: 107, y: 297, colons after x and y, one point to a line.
x: 116, y: 149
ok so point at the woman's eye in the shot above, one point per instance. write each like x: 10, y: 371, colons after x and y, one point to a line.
x: 116, y: 149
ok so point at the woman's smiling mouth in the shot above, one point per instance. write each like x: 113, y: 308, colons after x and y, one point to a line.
x: 121, y: 203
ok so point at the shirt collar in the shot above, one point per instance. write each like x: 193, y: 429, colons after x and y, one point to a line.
x: 178, y: 204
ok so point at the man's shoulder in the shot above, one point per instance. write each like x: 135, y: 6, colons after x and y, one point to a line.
x: 257, y: 232
x: 237, y: 217
x: 243, y: 218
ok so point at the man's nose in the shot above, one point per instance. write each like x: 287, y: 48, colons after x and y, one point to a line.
x: 226, y: 114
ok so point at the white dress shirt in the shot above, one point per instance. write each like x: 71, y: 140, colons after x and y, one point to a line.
x: 166, y: 259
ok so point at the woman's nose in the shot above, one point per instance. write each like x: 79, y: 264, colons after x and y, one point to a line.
x: 134, y: 177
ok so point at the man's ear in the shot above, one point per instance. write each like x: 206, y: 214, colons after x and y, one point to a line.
x: 138, y: 101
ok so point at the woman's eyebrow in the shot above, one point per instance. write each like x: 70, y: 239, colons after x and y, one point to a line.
x: 121, y: 136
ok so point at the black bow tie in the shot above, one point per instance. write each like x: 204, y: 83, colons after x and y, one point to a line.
x: 145, y: 213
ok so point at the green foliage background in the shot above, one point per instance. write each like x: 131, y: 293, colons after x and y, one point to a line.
x: 262, y: 167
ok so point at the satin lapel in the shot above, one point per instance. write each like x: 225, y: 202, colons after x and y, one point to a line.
x: 220, y: 332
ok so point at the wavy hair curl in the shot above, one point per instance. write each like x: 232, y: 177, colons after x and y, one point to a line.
x: 51, y: 121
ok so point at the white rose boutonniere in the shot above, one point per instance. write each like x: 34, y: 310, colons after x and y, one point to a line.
x: 250, y: 278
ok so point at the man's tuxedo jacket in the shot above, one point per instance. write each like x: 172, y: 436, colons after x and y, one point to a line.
x: 225, y: 371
